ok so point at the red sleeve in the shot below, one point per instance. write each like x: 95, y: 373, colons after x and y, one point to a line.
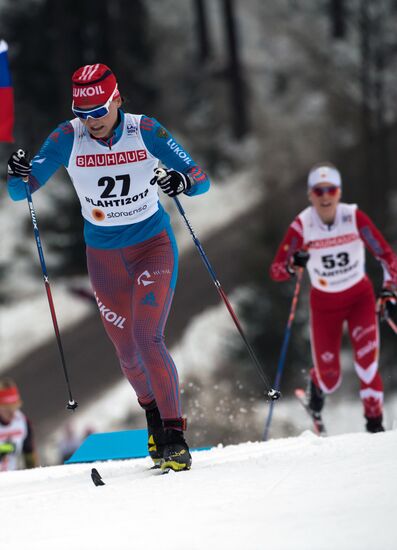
x: 378, y: 246
x: 293, y: 241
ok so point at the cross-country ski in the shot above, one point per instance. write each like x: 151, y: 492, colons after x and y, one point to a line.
x: 317, y: 421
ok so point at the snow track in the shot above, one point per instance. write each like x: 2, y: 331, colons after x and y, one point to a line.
x: 299, y: 493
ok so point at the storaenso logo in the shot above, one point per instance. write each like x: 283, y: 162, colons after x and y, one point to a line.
x: 130, y: 213
x: 88, y: 92
x: 109, y: 315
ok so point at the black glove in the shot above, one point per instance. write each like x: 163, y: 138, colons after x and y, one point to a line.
x: 172, y: 182
x: 386, y: 303
x: 19, y: 164
x: 298, y: 259
x: 6, y: 448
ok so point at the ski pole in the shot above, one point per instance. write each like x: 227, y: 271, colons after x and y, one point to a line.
x: 284, y: 348
x: 72, y: 404
x: 391, y: 324
x: 271, y: 393
x: 384, y: 315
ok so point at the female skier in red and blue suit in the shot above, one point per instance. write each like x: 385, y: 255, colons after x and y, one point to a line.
x: 132, y: 257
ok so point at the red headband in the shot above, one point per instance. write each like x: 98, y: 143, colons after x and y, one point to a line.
x: 93, y: 85
x: 9, y: 396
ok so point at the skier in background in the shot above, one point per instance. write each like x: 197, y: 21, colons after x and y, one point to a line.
x: 16, y: 436
x: 328, y: 238
x: 132, y: 257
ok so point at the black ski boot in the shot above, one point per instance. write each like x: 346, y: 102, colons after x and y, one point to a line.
x: 315, y: 397
x: 155, y: 433
x: 315, y: 402
x: 176, y: 455
x: 374, y: 424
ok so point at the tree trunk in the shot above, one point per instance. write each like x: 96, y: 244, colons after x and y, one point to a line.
x: 237, y: 92
x: 338, y: 18
x: 203, y: 40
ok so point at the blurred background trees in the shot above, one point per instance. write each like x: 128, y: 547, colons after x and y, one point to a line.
x: 264, y: 89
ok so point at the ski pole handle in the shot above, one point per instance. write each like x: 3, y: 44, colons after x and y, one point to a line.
x: 160, y: 172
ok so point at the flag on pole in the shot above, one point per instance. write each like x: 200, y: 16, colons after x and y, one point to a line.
x: 6, y: 97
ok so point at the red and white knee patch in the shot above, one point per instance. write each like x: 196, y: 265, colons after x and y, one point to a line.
x: 366, y: 374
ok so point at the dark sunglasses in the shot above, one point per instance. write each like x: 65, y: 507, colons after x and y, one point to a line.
x: 320, y: 191
x: 97, y: 112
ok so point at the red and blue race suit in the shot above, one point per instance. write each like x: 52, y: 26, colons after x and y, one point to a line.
x: 132, y: 266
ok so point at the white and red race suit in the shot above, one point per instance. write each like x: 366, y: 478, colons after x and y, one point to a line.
x: 18, y: 432
x: 341, y: 291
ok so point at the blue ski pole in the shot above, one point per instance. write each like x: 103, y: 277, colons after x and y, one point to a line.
x: 284, y: 348
x: 72, y: 404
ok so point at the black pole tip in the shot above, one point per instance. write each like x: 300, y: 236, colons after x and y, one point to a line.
x: 96, y: 478
x: 274, y: 394
x: 72, y: 405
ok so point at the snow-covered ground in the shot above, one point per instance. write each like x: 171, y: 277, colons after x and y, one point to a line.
x: 301, y: 493
x: 27, y: 324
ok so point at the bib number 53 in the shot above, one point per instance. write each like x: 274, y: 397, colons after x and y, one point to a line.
x: 335, y: 260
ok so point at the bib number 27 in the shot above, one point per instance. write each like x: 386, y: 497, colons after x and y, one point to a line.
x: 109, y: 183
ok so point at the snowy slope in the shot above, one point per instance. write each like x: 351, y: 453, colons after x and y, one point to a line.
x: 302, y: 493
